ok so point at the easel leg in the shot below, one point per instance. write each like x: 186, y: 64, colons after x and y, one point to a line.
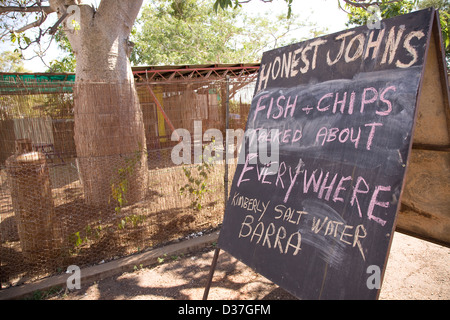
x: 211, y: 273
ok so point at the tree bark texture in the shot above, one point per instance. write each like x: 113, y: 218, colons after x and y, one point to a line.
x: 109, y: 127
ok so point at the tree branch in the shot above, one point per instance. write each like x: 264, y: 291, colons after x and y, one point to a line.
x: 45, y: 9
x: 56, y: 25
x: 363, y: 4
x: 37, y: 23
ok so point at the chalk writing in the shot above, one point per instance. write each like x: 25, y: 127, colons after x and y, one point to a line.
x: 250, y: 204
x: 289, y: 214
x: 327, y: 186
x: 370, y: 100
x: 340, y: 110
x: 396, y: 47
x: 353, y: 135
x: 273, y: 235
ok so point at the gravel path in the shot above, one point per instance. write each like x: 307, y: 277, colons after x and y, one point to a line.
x: 416, y: 270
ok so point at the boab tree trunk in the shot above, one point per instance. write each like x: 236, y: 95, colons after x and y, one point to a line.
x: 109, y: 128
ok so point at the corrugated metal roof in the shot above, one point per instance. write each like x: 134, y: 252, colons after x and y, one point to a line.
x: 184, y: 72
x: 31, y: 83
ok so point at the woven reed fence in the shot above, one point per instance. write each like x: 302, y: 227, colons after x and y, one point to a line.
x: 48, y: 221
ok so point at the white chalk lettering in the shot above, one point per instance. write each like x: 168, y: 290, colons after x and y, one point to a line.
x: 379, y: 45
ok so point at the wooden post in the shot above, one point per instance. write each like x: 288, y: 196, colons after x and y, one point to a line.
x: 211, y: 273
x: 23, y: 146
x: 31, y: 194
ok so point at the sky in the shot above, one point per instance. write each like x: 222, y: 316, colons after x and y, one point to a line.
x: 325, y: 13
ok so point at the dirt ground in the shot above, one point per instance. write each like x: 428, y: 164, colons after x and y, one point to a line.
x: 416, y: 270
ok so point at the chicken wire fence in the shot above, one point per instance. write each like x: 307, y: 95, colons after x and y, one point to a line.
x: 78, y: 187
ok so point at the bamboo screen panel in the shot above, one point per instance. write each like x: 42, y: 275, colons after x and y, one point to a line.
x: 54, y: 212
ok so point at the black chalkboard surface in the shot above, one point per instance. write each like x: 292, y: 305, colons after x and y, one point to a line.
x: 315, y: 195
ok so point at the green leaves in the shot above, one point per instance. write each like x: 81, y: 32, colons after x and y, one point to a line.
x: 11, y: 62
x: 20, y: 39
x: 445, y: 28
x: 134, y: 220
x: 225, y: 4
x: 197, y: 33
x: 197, y: 186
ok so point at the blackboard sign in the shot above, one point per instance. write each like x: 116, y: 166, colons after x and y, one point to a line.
x: 315, y: 195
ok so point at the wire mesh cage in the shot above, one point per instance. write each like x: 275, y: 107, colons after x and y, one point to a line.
x: 97, y: 182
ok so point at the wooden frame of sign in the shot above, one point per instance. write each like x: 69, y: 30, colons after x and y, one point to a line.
x: 314, y: 200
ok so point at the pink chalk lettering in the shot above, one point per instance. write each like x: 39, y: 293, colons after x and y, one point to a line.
x: 374, y: 202
x: 341, y: 102
x: 346, y: 133
x: 297, y: 171
x: 332, y: 134
x: 329, y: 188
x: 290, y: 106
x: 279, y: 175
x: 312, y: 178
x: 328, y: 95
x: 339, y: 188
x: 350, y: 105
x: 246, y: 168
x: 260, y: 107
x: 266, y: 171
x: 356, y: 190
x: 364, y: 101
x: 269, y: 111
x: 388, y: 103
x: 280, y: 108
x: 259, y: 173
x: 323, y: 132
x: 297, y: 136
x: 356, y: 139
x: 307, y: 109
x: 286, y: 136
x: 373, y: 125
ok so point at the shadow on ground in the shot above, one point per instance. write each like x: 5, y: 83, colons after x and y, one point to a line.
x: 183, y: 278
